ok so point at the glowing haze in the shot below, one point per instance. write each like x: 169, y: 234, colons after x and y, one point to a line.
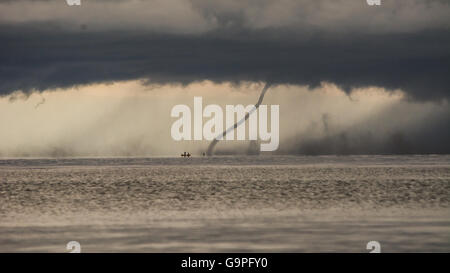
x: 132, y: 119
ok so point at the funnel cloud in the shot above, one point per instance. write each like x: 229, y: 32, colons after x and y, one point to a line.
x: 239, y: 122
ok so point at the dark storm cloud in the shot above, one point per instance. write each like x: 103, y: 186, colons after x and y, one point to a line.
x: 232, y: 42
x: 418, y: 63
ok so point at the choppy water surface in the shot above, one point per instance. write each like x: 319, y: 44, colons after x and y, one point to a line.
x: 261, y: 203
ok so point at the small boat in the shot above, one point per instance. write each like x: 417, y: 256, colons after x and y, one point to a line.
x: 186, y: 154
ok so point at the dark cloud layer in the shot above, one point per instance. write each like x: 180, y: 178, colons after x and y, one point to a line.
x: 402, y: 44
x: 36, y: 58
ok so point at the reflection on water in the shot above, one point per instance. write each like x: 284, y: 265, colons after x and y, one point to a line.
x: 261, y: 203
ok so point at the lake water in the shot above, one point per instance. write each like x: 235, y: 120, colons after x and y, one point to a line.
x: 226, y: 204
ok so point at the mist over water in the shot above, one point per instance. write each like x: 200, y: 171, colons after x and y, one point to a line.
x: 133, y: 119
x: 226, y: 203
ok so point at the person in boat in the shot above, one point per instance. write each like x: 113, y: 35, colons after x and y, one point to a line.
x: 186, y: 154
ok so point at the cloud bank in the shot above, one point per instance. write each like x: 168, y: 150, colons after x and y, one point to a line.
x: 403, y: 44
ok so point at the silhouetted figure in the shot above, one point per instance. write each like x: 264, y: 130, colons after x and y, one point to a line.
x: 186, y: 154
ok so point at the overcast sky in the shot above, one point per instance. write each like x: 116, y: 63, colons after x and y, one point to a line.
x: 401, y: 46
